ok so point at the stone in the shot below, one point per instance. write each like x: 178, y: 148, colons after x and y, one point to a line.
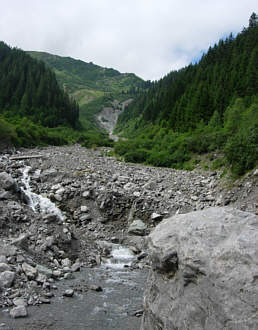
x: 96, y: 288
x: 57, y: 273
x: 19, y: 302
x: 49, y: 218
x: 44, y: 300
x: 86, y: 194
x: 8, y: 183
x: 203, y: 272
x: 58, y: 197
x: 6, y: 279
x: 68, y: 293
x: 137, y: 227
x: 255, y: 172
x: 66, y: 262
x: 29, y: 271
x: 3, y: 259
x: 21, y: 241
x: 19, y: 311
x: 41, y: 278
x: 4, y: 267
x: 84, y: 208
x: 50, y: 240
x: 76, y: 267
x: 156, y: 217
x: 68, y: 276
x: 85, y: 217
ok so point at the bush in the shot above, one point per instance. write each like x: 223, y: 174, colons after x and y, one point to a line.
x: 241, y: 151
x: 136, y: 156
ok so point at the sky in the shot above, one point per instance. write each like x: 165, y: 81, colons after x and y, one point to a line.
x: 147, y: 37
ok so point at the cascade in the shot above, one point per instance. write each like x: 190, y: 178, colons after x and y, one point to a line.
x: 37, y: 202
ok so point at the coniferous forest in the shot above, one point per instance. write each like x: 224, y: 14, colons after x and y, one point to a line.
x: 28, y: 88
x: 209, y: 106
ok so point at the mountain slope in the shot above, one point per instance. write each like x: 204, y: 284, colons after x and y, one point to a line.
x: 87, y: 81
x: 185, y: 97
x: 210, y: 106
x: 92, y: 86
x: 28, y: 88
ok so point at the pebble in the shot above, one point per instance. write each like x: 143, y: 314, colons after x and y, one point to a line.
x: 68, y: 293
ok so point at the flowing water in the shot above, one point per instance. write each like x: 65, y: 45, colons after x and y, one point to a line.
x: 115, y: 307
x: 112, y: 308
x: 37, y: 202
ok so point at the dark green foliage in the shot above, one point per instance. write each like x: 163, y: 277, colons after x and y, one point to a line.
x: 23, y: 132
x: 28, y: 88
x: 76, y: 75
x: 241, y: 125
x: 207, y: 107
x: 183, y: 98
x: 237, y: 137
x: 96, y: 139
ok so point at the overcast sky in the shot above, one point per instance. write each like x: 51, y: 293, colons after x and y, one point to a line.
x: 147, y: 37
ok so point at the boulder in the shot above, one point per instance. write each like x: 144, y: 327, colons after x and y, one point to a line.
x: 19, y: 311
x: 30, y: 272
x: 4, y: 267
x: 137, y: 227
x: 204, y: 272
x: 6, y: 279
x: 8, y: 183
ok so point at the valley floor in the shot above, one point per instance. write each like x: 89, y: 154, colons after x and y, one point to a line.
x: 99, y: 197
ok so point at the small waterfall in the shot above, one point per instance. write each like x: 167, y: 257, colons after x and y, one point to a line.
x: 37, y: 202
x: 120, y: 257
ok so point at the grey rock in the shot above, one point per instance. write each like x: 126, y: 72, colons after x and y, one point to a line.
x: 19, y: 311
x: 6, y: 279
x: 30, y: 272
x: 21, y: 241
x: 44, y: 270
x: 156, y: 217
x: 96, y: 288
x: 204, y: 272
x: 137, y: 227
x: 85, y: 217
x: 3, y: 259
x: 68, y: 293
x: 66, y: 262
x: 58, y: 197
x: 19, y: 302
x: 68, y: 276
x: 86, y: 194
x: 84, y: 208
x: 8, y: 183
x: 4, y: 267
x: 76, y: 267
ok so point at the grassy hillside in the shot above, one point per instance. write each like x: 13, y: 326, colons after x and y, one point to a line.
x: 92, y: 86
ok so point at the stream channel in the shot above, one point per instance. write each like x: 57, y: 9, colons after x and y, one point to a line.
x: 116, y: 305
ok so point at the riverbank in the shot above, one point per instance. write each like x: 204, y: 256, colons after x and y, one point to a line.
x: 101, y: 200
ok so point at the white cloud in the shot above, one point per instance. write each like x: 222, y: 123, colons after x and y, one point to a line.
x: 147, y: 37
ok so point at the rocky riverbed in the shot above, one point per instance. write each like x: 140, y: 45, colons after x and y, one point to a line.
x: 102, y: 202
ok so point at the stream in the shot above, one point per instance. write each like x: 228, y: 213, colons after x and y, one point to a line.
x: 112, y: 308
x: 108, y: 296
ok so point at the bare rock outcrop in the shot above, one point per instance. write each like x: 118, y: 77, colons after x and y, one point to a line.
x: 204, y: 272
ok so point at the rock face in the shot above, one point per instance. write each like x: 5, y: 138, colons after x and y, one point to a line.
x: 204, y: 272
